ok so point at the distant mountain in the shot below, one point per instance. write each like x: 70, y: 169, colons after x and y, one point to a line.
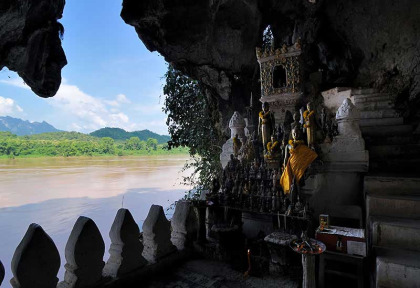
x: 121, y: 134
x: 21, y: 127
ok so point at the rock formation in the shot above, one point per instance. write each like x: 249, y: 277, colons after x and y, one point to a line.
x: 356, y: 43
x: 30, y: 42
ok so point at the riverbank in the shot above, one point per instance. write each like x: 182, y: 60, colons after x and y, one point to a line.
x: 142, y: 153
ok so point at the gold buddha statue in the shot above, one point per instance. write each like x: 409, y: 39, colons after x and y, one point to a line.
x: 266, y: 124
x: 297, y: 159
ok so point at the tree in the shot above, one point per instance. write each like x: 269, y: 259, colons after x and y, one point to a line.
x: 133, y: 143
x: 107, y: 145
x: 151, y: 144
x: 193, y: 121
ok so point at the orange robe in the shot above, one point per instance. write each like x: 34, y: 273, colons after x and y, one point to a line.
x: 299, y: 160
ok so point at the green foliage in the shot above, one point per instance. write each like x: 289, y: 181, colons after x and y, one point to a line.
x: 151, y: 144
x: 134, y: 143
x: 121, y: 134
x: 62, y: 136
x: 69, y: 144
x: 193, y: 122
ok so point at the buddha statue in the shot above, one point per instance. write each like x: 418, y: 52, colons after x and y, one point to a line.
x: 310, y: 125
x: 297, y: 159
x: 273, y: 148
x: 237, y: 145
x: 266, y: 124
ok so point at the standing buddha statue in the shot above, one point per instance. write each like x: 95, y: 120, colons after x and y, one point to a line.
x: 309, y: 118
x: 297, y: 159
x: 266, y: 124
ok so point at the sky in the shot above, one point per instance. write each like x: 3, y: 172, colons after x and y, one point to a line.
x: 111, y: 79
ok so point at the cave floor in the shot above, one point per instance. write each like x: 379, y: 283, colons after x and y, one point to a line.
x: 209, y: 273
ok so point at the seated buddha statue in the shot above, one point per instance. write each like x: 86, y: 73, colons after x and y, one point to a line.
x: 273, y: 149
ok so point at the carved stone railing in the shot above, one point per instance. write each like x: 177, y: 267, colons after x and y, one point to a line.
x: 36, y: 261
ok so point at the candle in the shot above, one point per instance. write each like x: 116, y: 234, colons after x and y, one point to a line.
x: 246, y: 274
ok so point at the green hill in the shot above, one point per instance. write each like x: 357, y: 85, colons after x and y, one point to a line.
x: 121, y: 134
x: 62, y: 136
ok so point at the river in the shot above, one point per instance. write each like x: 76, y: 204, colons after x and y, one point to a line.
x: 54, y: 192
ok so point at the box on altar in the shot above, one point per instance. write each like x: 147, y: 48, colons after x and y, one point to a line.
x: 343, y: 239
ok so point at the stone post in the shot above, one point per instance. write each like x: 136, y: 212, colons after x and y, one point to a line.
x: 36, y: 260
x: 156, y: 235
x: 126, y: 248
x: 183, y: 224
x: 236, y: 126
x: 308, y: 264
x: 84, y: 254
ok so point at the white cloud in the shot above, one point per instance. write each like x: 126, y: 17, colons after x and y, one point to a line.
x: 8, y: 107
x: 86, y: 113
x: 17, y: 82
x: 92, y: 113
x: 121, y: 98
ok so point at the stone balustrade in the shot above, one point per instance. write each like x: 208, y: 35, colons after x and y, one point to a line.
x: 36, y: 261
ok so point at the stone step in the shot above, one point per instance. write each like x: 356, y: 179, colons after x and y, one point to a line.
x: 403, y: 206
x: 381, y: 185
x: 381, y: 121
x: 397, y: 268
x: 369, y: 106
x: 386, y: 130
x: 401, y: 165
x: 369, y: 98
x: 395, y: 233
x: 394, y: 150
x: 384, y: 113
x: 389, y: 140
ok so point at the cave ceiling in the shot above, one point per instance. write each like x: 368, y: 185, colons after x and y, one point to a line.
x: 30, y: 42
x: 352, y: 42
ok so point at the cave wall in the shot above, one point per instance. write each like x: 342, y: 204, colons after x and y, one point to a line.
x: 30, y: 42
x: 351, y: 42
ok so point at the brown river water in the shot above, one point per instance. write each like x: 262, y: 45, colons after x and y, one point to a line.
x: 54, y: 192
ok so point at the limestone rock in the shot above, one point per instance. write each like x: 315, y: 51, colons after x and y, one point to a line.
x: 36, y: 260
x: 211, y: 40
x: 84, y: 254
x: 184, y: 225
x: 353, y: 43
x: 30, y: 42
x: 156, y: 235
x: 126, y: 248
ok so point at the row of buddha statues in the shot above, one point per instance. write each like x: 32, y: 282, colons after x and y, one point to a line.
x: 266, y: 171
x: 255, y: 187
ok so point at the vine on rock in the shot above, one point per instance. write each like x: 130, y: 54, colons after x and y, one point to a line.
x: 194, y: 122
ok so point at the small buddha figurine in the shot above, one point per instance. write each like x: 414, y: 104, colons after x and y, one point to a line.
x: 266, y: 124
x: 309, y: 118
x: 296, y: 123
x: 237, y: 145
x: 273, y: 148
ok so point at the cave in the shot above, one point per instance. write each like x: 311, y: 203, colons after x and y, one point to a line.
x: 335, y: 81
